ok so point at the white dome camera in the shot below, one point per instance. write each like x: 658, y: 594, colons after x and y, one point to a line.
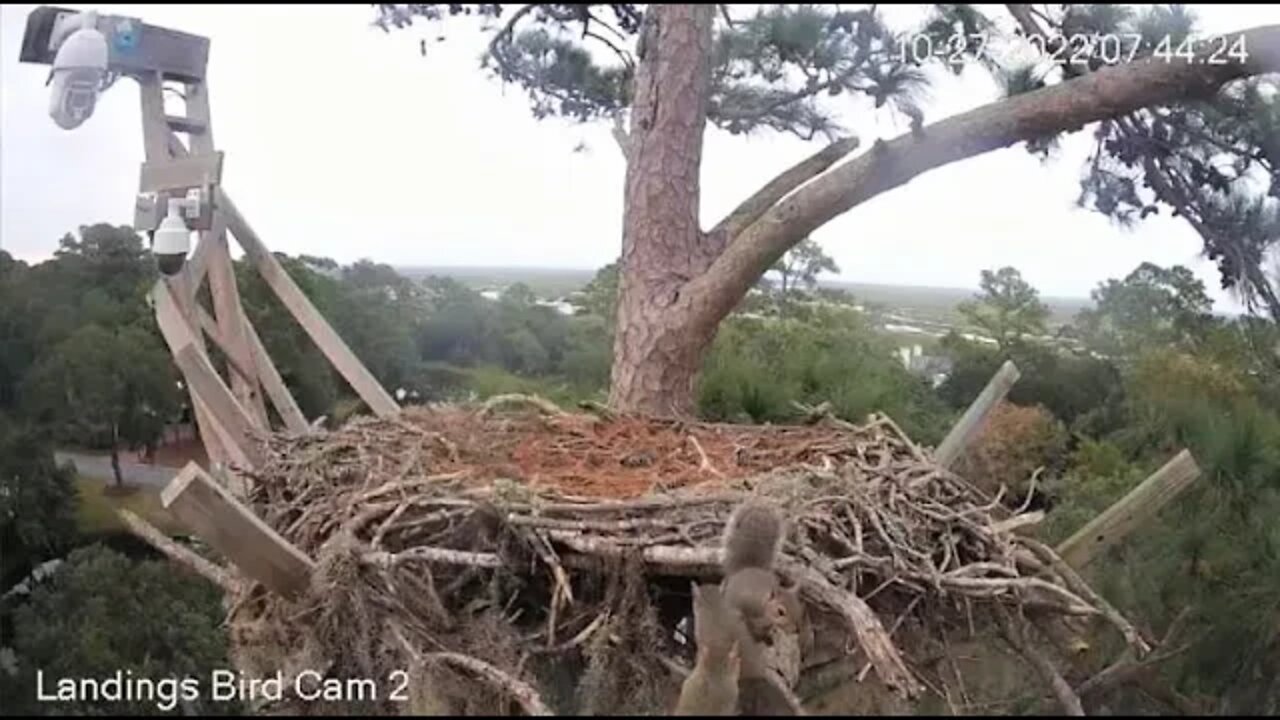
x: 79, y: 70
x: 172, y: 240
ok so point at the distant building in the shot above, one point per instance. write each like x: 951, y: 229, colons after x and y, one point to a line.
x: 934, y: 368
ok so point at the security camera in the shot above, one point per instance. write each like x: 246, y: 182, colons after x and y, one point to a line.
x: 79, y: 71
x: 172, y: 240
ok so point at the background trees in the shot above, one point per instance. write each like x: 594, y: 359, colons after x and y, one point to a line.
x: 670, y: 70
x: 1102, y: 402
x: 102, y: 613
x: 1008, y: 308
x: 801, y: 266
x: 109, y: 388
x: 37, y: 501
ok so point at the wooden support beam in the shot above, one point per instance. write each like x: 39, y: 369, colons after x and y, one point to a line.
x: 230, y: 319
x: 264, y: 371
x: 205, y: 382
x: 286, y: 406
x: 966, y: 430
x: 209, y: 394
x: 155, y: 136
x: 197, y: 265
x: 179, y: 554
x: 324, y: 336
x: 185, y: 125
x: 234, y: 531
x: 1131, y: 511
x: 155, y: 140
x: 198, y: 123
x: 268, y: 375
x: 194, y: 171
x: 211, y: 329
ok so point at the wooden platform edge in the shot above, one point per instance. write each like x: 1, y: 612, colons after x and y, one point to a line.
x: 231, y: 528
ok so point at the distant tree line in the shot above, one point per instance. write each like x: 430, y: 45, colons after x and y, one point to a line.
x: 1148, y: 370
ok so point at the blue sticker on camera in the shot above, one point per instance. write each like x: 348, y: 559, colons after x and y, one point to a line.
x: 125, y: 37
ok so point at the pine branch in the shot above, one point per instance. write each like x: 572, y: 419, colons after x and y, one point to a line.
x: 779, y: 187
x: 1108, y: 93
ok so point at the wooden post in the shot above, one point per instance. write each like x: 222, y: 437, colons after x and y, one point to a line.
x: 1131, y: 511
x: 230, y: 322
x: 155, y: 143
x: 279, y: 393
x: 221, y: 413
x: 267, y: 374
x: 973, y: 420
x: 210, y: 327
x: 222, y: 279
x: 179, y: 554
x: 322, y: 334
x: 235, y: 532
x: 262, y: 370
x: 173, y: 166
x: 204, y: 381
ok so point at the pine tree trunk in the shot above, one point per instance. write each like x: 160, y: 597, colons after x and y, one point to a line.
x: 115, y: 455
x: 677, y: 283
x: 659, y: 344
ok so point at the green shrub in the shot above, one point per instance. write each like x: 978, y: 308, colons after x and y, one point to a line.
x: 103, y: 613
x: 757, y: 367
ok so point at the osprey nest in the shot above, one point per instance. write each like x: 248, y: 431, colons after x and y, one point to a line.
x: 515, y: 558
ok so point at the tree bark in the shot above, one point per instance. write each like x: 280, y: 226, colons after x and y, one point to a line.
x: 678, y: 283
x: 660, y: 342
x: 115, y: 454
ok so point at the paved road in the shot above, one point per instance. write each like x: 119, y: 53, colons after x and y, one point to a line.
x: 98, y: 467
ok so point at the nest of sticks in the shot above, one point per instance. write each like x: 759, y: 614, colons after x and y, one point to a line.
x: 514, y: 558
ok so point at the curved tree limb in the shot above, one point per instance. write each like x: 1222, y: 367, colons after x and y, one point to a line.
x: 1107, y: 93
x: 1014, y: 631
x: 793, y: 177
x: 528, y: 698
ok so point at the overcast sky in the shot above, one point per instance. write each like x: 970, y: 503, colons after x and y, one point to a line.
x: 343, y: 141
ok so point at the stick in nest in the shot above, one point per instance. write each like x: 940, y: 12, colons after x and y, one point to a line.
x: 177, y: 553
x: 1077, y: 585
x: 706, y: 463
x: 526, y: 696
x: 867, y: 628
x: 1013, y: 633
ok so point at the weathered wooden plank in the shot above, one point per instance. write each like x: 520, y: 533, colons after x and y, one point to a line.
x: 975, y: 417
x: 179, y: 554
x: 233, y: 530
x: 193, y: 171
x: 211, y: 329
x: 198, y: 113
x: 324, y: 336
x: 156, y: 146
x: 185, y: 125
x: 221, y: 418
x: 230, y: 319
x: 155, y: 137
x: 175, y: 54
x: 204, y: 381
x: 197, y: 264
x: 286, y: 406
x: 1131, y: 511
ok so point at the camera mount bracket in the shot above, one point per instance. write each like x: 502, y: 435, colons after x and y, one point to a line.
x: 230, y: 412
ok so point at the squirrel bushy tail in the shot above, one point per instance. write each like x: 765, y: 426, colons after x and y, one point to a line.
x: 752, y: 537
